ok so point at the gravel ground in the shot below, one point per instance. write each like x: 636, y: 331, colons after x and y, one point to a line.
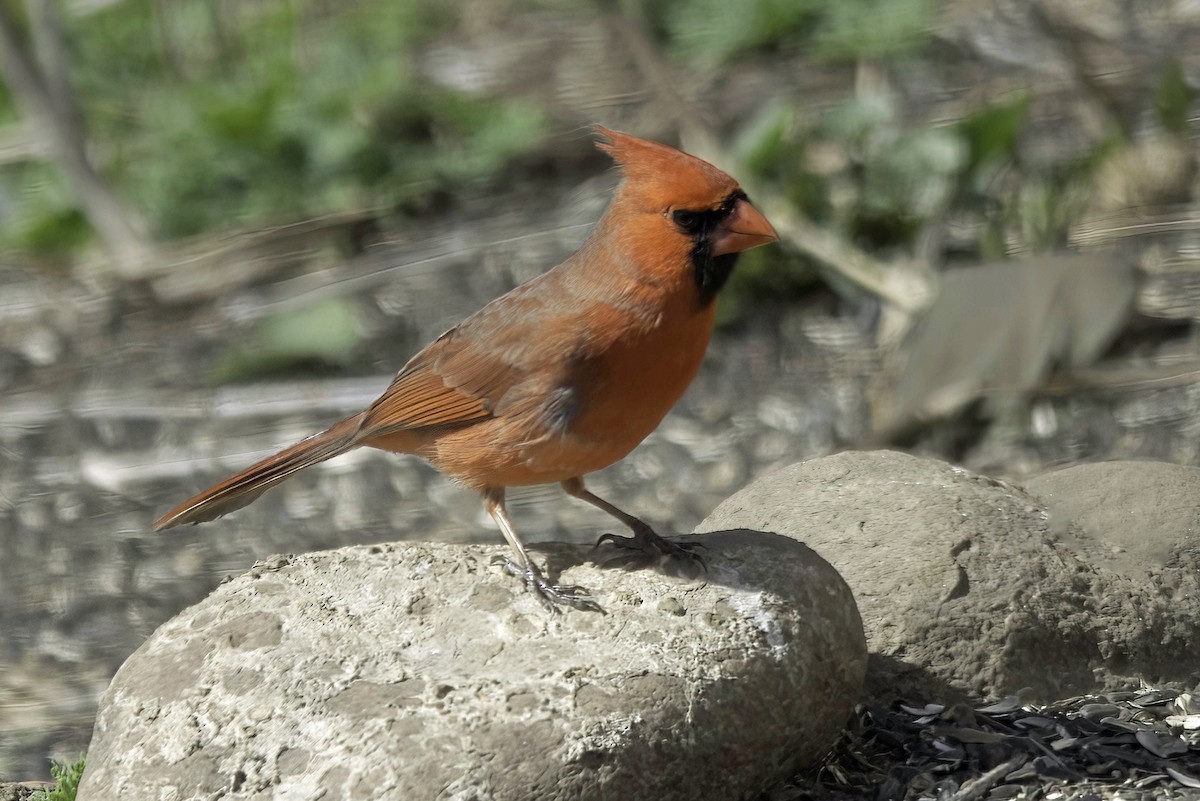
x: 1140, y: 744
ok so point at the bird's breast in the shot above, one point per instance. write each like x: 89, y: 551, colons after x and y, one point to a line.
x: 623, y: 392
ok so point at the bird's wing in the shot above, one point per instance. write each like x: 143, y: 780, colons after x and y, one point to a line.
x: 447, y: 384
x: 465, y: 374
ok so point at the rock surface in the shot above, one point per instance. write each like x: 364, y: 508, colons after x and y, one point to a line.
x: 1141, y: 521
x: 21, y: 791
x: 969, y: 587
x: 413, y: 671
x: 1135, y: 518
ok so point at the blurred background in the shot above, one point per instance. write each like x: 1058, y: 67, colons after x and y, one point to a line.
x: 225, y: 224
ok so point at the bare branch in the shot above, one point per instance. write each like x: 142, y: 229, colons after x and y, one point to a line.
x: 129, y: 248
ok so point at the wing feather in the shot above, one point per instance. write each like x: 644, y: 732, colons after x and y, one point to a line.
x: 523, y: 345
x: 421, y: 396
x: 462, y: 377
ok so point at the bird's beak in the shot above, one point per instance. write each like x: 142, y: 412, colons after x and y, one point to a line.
x: 743, y: 229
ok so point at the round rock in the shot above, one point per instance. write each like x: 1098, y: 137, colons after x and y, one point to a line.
x: 420, y: 671
x: 967, y: 586
x: 1135, y: 518
x: 1140, y: 521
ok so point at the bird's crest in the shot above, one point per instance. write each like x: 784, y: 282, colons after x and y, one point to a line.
x: 662, y: 175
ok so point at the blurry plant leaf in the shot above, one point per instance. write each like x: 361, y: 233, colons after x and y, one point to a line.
x: 991, y: 133
x: 759, y: 143
x: 992, y: 243
x: 1043, y: 207
x: 324, y: 333
x: 8, y: 112
x: 47, y: 221
x: 853, y: 29
x: 1036, y: 214
x: 769, y: 146
x: 1172, y: 98
x: 239, y: 119
x: 939, y: 149
x: 1044, y: 210
x: 1002, y: 327
x: 497, y: 134
x: 858, y: 120
x: 711, y: 31
x: 912, y: 178
x: 52, y: 232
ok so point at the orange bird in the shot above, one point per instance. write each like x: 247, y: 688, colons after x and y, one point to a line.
x: 564, y: 374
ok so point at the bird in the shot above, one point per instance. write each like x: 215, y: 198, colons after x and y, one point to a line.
x: 564, y: 374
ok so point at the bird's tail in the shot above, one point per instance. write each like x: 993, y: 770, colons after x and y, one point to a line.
x: 239, y: 490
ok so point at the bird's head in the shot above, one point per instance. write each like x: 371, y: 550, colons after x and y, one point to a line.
x: 679, y: 209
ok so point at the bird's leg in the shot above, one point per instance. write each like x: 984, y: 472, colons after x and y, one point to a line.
x: 644, y: 539
x: 549, y: 594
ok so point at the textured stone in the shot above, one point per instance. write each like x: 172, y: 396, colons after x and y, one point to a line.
x: 1139, y: 520
x: 425, y: 671
x: 1134, y: 518
x: 968, y: 586
x: 22, y: 791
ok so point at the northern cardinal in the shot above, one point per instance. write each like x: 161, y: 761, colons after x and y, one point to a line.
x: 564, y: 374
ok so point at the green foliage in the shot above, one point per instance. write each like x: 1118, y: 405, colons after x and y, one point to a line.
x: 907, y: 181
x: 46, y: 223
x: 991, y: 132
x: 858, y: 168
x: 854, y: 29
x: 862, y: 169
x: 1040, y: 214
x: 8, y: 112
x: 1043, y: 207
x: 67, y: 778
x: 773, y: 147
x: 207, y: 116
x: 1172, y: 98
x: 1035, y: 206
x: 345, y: 125
x: 861, y: 121
x: 323, y: 333
x: 763, y: 138
x: 711, y: 32
x: 874, y: 135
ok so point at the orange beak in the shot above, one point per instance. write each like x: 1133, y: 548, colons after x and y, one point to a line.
x: 743, y: 229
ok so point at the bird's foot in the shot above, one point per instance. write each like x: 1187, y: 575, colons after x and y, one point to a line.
x: 646, y: 546
x: 552, y: 596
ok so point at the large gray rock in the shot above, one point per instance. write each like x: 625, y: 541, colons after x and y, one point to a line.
x: 1141, y: 521
x: 413, y: 672
x: 1135, y: 518
x: 968, y: 586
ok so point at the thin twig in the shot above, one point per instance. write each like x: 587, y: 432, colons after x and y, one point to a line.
x: 972, y: 791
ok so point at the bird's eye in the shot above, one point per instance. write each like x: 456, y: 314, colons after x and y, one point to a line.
x: 687, y: 220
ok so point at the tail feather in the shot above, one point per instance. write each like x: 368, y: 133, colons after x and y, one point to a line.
x: 242, y: 488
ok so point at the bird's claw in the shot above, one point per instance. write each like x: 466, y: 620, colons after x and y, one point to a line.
x: 657, y: 544
x: 550, y: 595
x: 651, y: 545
